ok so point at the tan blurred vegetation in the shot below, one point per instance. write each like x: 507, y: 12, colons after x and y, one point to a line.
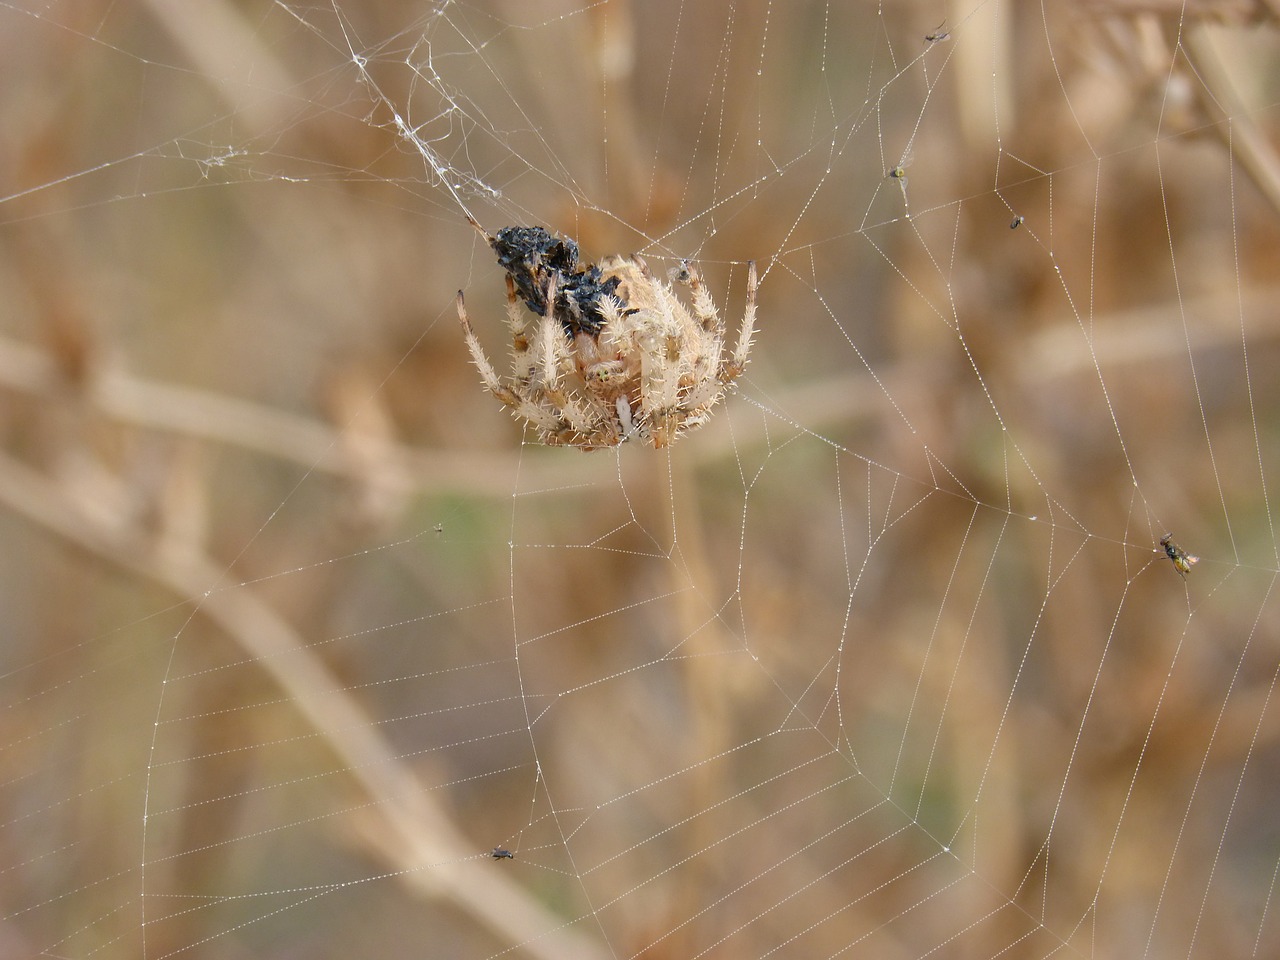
x: 257, y: 580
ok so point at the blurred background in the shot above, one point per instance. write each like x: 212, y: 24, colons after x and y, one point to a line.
x: 886, y: 660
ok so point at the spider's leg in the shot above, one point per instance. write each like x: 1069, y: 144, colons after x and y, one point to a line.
x: 624, y: 417
x: 703, y: 329
x: 704, y: 308
x: 733, y: 367
x: 547, y: 360
x: 666, y: 342
x: 522, y: 362
x: 515, y: 315
x: 551, y: 359
x: 523, y: 406
x: 487, y: 373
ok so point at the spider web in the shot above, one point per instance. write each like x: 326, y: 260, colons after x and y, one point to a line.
x: 302, y: 630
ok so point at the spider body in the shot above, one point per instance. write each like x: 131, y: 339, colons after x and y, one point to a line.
x: 607, y: 353
x: 1182, y: 561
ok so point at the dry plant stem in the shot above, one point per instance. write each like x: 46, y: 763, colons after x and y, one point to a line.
x: 1058, y: 351
x: 704, y: 678
x: 1219, y: 99
x: 189, y: 412
x: 415, y: 835
x: 219, y: 39
x: 714, y: 685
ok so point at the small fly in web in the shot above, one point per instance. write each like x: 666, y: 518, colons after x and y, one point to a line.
x: 1182, y: 561
x: 939, y: 34
x: 898, y: 173
x: 501, y: 853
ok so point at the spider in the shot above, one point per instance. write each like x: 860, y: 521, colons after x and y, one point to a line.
x: 614, y: 355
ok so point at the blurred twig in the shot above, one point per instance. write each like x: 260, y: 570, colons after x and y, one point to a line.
x: 1233, y: 122
x: 190, y: 412
x: 1058, y: 350
x: 416, y: 836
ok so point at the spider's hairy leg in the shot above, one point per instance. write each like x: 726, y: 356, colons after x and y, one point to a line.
x: 703, y: 333
x: 487, y: 373
x: 627, y: 425
x: 664, y: 363
x: 522, y: 361
x: 515, y: 315
x: 665, y: 340
x: 547, y: 360
x: 704, y: 308
x: 551, y: 360
x: 541, y: 418
x: 733, y: 367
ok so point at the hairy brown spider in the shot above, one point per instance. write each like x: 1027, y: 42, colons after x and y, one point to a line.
x: 614, y: 355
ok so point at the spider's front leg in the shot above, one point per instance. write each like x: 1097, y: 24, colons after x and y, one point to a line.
x: 545, y: 366
x: 487, y: 373
x: 522, y: 362
x: 551, y: 360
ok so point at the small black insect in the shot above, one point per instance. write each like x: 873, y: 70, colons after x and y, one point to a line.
x: 939, y: 34
x: 1017, y: 222
x: 1182, y: 561
x: 499, y: 853
x: 535, y: 259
